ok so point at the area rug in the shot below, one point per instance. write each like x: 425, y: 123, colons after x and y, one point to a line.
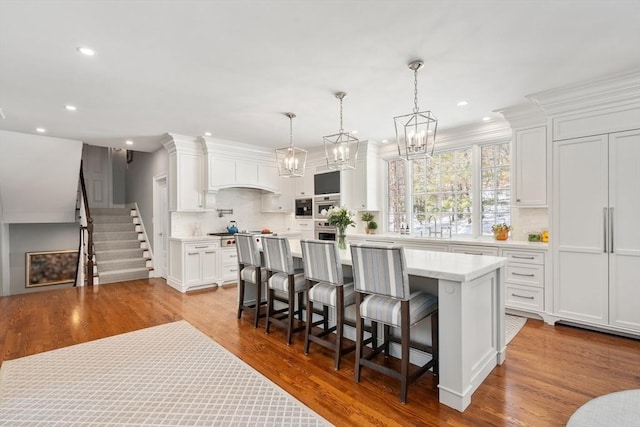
x: 168, y: 375
x: 512, y: 325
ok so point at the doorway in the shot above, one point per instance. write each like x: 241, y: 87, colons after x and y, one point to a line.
x: 160, y: 225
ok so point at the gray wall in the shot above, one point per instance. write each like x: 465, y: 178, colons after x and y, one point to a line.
x: 140, y: 173
x: 118, y: 174
x: 25, y: 238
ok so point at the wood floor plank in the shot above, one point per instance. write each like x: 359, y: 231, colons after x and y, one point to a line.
x: 550, y: 371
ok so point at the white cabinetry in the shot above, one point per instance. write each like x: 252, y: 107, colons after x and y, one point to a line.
x: 530, y: 160
x: 185, y: 174
x: 360, y: 185
x: 280, y: 201
x: 524, y: 280
x: 193, y: 264
x: 229, y: 264
x: 303, y: 186
x: 595, y: 229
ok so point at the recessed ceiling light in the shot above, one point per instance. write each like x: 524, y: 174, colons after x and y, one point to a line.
x: 486, y: 119
x: 462, y: 103
x: 86, y: 51
x: 70, y: 107
x: 354, y: 131
x: 129, y: 142
x: 385, y: 140
x: 207, y: 134
x: 41, y: 130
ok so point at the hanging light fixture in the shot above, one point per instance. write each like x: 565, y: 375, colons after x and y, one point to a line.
x: 341, y: 148
x: 416, y: 132
x: 291, y: 160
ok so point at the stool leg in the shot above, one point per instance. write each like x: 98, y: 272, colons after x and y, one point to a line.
x: 291, y: 309
x: 240, y: 297
x: 269, y: 309
x: 307, y: 327
x: 300, y: 305
x: 385, y: 338
x: 359, y: 337
x: 258, y: 297
x: 404, y: 380
x: 339, y: 327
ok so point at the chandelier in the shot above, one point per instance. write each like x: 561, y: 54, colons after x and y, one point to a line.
x: 341, y: 148
x: 416, y: 132
x: 291, y: 160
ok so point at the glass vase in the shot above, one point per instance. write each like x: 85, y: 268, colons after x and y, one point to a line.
x: 342, y: 242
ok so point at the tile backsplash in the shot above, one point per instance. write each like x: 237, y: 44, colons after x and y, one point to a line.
x: 528, y: 220
x: 247, y: 212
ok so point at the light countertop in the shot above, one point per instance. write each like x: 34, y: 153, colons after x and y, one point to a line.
x: 476, y: 241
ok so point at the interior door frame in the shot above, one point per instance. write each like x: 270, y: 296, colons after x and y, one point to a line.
x: 160, y: 225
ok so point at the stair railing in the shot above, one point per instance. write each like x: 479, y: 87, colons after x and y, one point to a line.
x: 89, y: 230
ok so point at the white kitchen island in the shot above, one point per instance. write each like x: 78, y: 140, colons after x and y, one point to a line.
x: 471, y: 300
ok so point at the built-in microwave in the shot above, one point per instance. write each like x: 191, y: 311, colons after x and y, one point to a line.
x: 304, y: 208
x: 321, y: 203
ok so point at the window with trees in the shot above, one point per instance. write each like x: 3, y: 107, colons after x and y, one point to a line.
x: 458, y: 192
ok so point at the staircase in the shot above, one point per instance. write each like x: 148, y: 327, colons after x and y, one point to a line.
x: 120, y: 247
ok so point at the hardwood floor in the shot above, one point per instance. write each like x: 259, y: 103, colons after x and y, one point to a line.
x: 549, y: 372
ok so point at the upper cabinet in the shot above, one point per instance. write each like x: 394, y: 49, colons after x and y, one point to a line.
x: 185, y: 173
x: 360, y: 185
x: 530, y: 160
x: 303, y: 186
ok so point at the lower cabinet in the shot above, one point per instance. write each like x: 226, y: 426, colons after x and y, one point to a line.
x: 229, y: 263
x: 524, y: 280
x: 474, y: 250
x: 193, y: 264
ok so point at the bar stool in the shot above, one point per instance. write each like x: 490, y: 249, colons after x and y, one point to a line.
x: 281, y: 276
x: 252, y: 272
x: 326, y: 285
x: 382, y: 291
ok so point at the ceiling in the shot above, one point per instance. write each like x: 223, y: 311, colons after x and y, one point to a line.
x: 233, y: 68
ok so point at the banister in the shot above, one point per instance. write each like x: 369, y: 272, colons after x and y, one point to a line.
x: 89, y: 228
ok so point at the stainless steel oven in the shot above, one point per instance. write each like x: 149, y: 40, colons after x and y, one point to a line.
x: 321, y: 203
x: 304, y: 208
x: 324, y: 231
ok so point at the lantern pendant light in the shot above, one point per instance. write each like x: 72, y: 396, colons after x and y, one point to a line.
x: 291, y: 160
x: 416, y: 132
x: 341, y: 149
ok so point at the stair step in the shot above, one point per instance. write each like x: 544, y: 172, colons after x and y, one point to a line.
x: 113, y: 227
x: 111, y: 211
x: 112, y: 219
x: 119, y: 254
x: 104, y: 236
x: 123, y: 275
x: 112, y: 245
x: 121, y: 264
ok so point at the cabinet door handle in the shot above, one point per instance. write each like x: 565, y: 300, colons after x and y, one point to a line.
x: 521, y: 296
x: 210, y: 252
x: 193, y: 253
x: 611, y: 229
x: 233, y: 255
x: 201, y: 247
x: 235, y: 269
x: 474, y: 253
x: 522, y: 257
x: 604, y: 219
x: 525, y: 275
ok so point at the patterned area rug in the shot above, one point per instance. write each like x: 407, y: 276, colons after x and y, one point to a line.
x: 168, y: 375
x: 512, y: 325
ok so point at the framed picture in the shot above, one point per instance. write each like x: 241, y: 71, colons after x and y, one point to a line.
x: 51, y: 268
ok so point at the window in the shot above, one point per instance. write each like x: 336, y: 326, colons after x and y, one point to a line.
x: 397, y: 194
x: 496, y: 185
x: 442, y: 194
x: 458, y: 192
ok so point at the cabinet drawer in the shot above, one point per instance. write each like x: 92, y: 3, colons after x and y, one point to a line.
x: 200, y: 247
x: 229, y: 258
x: 525, y: 274
x: 527, y: 257
x: 525, y: 297
x: 475, y: 250
x: 230, y: 272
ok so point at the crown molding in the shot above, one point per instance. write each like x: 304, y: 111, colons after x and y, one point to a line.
x: 174, y: 142
x: 525, y: 115
x: 595, y: 94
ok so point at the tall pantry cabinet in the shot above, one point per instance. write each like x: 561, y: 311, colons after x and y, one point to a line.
x: 597, y: 229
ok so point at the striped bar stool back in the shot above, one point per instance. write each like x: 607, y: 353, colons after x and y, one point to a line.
x: 250, y: 271
x: 284, y: 278
x: 326, y: 286
x: 383, y: 295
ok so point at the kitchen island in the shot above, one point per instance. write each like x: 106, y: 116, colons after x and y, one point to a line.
x: 471, y: 299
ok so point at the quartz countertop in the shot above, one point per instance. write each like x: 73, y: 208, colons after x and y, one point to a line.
x: 462, y: 240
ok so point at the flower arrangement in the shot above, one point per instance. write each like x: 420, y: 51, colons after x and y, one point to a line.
x: 341, y: 217
x: 501, y: 231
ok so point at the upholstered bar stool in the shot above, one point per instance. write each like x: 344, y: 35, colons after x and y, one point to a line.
x: 252, y: 272
x: 282, y: 277
x: 381, y: 284
x: 326, y: 285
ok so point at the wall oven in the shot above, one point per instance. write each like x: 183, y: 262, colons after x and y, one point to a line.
x: 324, y: 231
x: 321, y: 203
x: 304, y: 208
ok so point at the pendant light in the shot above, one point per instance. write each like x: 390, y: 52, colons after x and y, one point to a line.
x: 291, y: 160
x: 416, y: 132
x: 341, y: 148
